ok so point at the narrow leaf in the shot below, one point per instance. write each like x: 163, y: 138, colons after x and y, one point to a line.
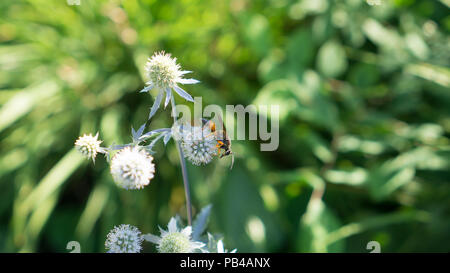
x: 188, y: 81
x: 200, y: 223
x: 155, y: 140
x: 133, y: 133
x: 167, y: 137
x: 183, y: 93
x: 168, y: 96
x: 147, y: 88
x: 156, y: 104
x: 151, y: 238
x: 141, y: 130
x: 154, y: 132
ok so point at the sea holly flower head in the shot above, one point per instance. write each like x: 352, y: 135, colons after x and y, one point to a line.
x: 163, y: 70
x: 132, y: 168
x: 124, y: 239
x: 174, y: 240
x: 164, y: 73
x: 88, y: 145
x: 198, y: 144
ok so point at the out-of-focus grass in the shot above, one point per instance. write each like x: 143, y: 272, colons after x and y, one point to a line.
x: 363, y: 94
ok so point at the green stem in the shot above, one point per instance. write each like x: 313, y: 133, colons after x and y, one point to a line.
x: 183, y: 170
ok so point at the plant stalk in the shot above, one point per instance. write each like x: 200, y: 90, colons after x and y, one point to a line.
x: 183, y: 169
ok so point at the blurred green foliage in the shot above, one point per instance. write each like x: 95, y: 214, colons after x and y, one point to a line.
x: 364, y: 98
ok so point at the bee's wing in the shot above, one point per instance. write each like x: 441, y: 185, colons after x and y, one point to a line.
x: 220, y: 123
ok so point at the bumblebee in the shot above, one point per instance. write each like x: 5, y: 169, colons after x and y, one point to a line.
x: 223, y: 141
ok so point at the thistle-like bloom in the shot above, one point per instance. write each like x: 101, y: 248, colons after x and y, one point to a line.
x: 132, y: 168
x: 174, y: 240
x: 165, y: 74
x: 198, y: 144
x: 88, y: 145
x: 124, y: 239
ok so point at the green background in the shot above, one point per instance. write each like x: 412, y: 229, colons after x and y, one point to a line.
x: 364, y: 97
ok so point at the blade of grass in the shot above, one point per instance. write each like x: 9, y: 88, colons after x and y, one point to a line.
x: 376, y: 222
x: 52, y: 181
x: 23, y: 102
x: 95, y: 204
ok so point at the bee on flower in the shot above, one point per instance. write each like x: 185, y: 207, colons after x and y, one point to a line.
x: 197, y: 142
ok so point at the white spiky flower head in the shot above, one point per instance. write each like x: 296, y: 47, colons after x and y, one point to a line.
x: 88, y: 145
x: 174, y: 240
x: 164, y: 73
x: 198, y: 144
x: 124, y: 239
x: 132, y: 168
x: 163, y: 70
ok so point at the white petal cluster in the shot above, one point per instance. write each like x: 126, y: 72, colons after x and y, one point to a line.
x: 88, y: 145
x: 164, y: 73
x: 162, y: 70
x: 132, y: 168
x: 174, y: 240
x: 198, y: 144
x: 124, y: 239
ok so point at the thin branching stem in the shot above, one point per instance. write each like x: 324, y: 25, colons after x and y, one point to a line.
x: 183, y: 169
